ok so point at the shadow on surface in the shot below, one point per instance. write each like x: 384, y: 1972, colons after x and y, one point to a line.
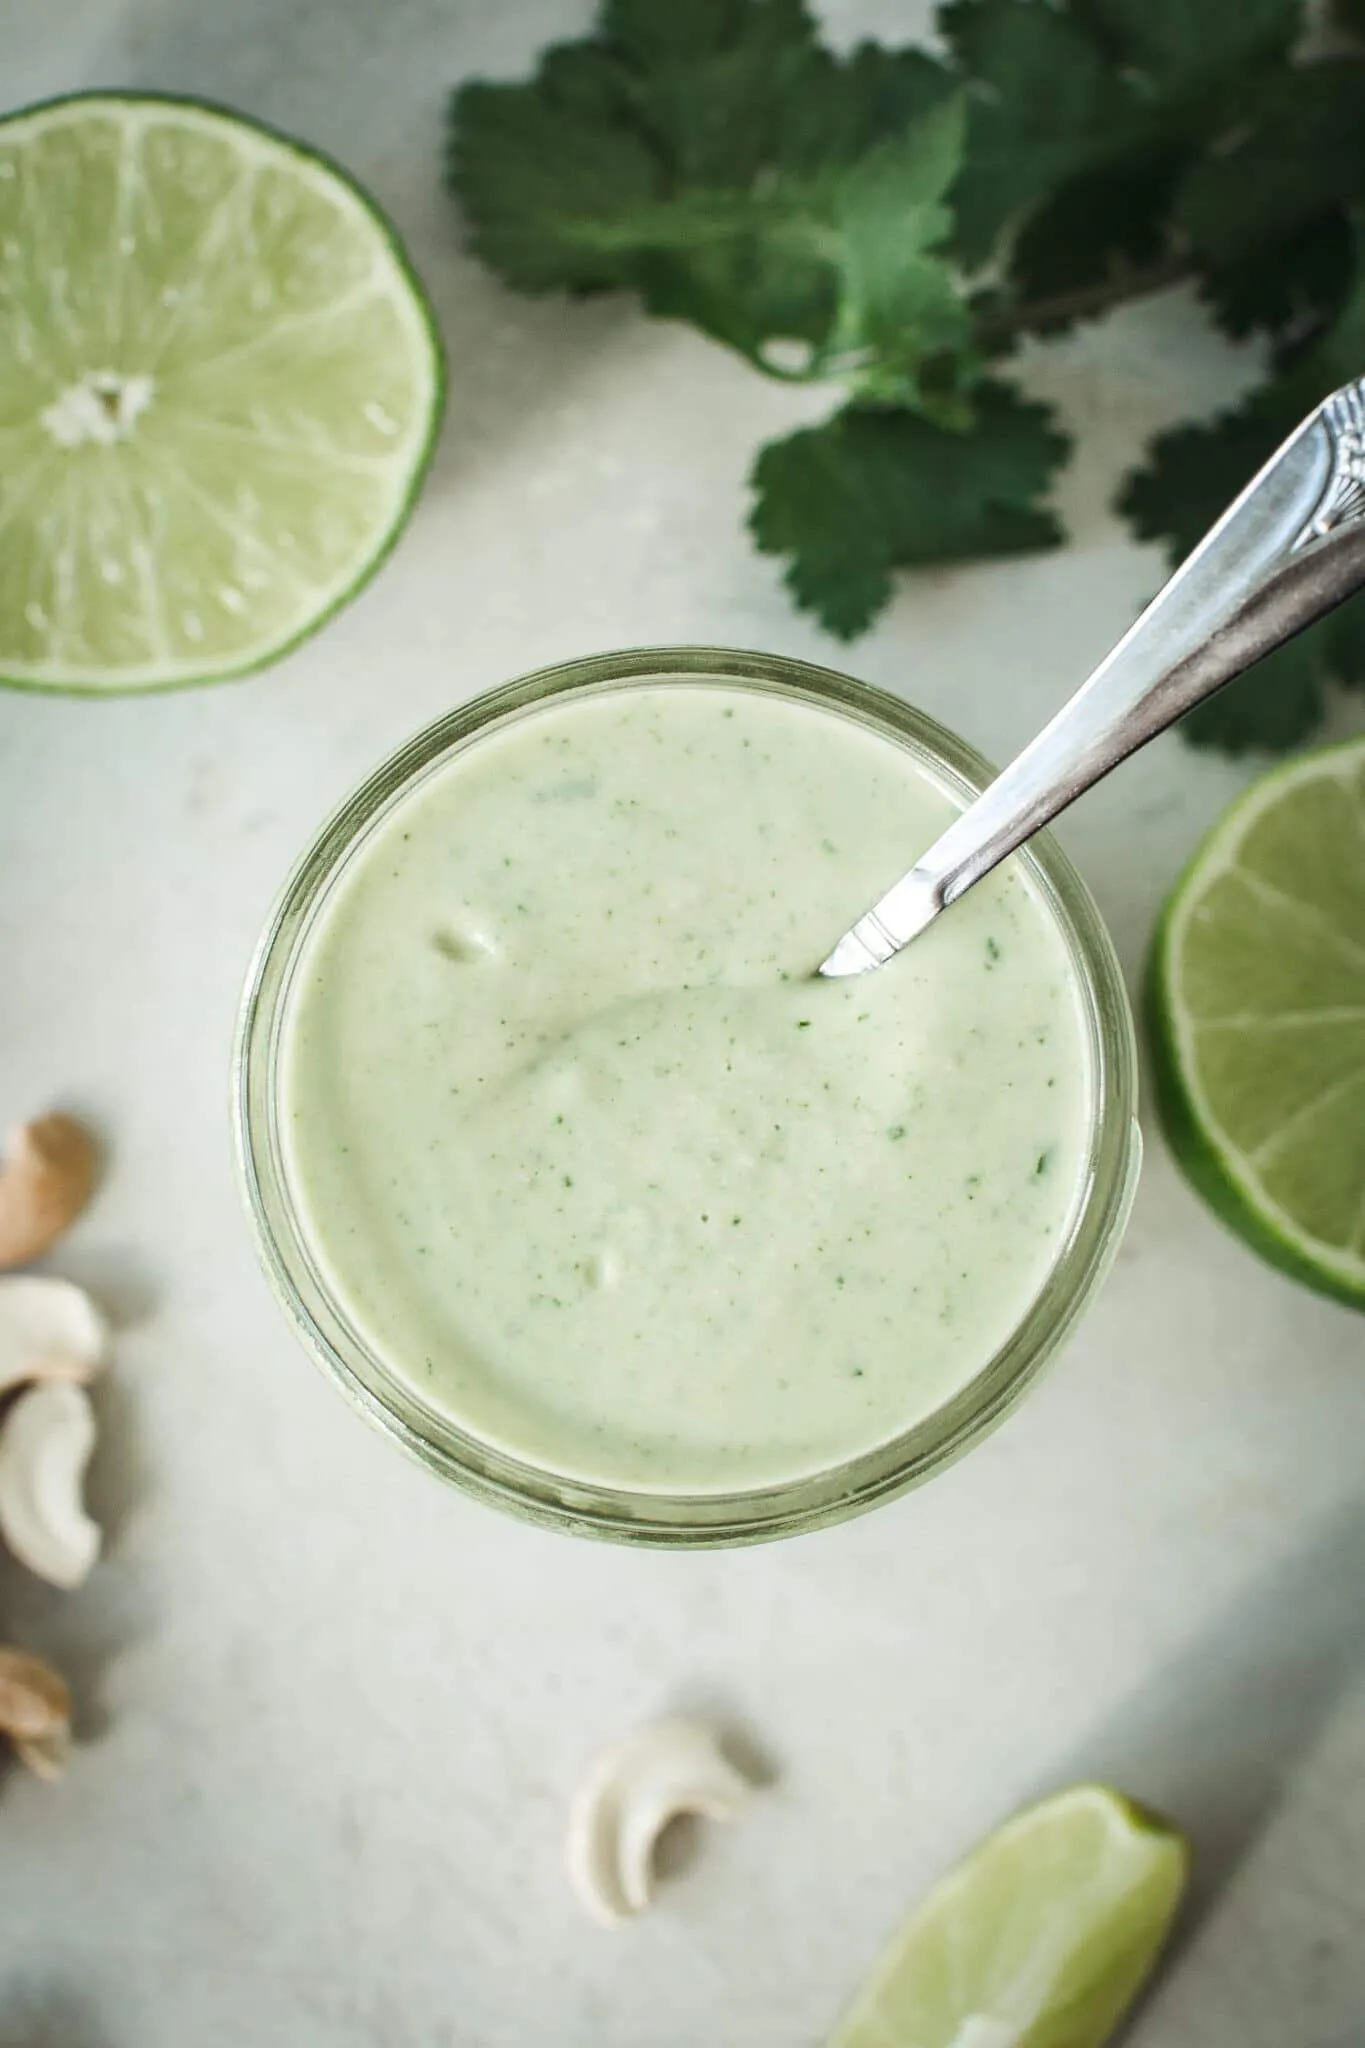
x: 117, y: 1482
x: 40, y: 2015
x: 83, y: 1631
x: 683, y: 1841
x: 1214, y: 1741
x: 117, y: 1275
x: 738, y: 1739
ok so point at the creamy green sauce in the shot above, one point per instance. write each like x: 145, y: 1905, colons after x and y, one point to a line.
x: 594, y: 1164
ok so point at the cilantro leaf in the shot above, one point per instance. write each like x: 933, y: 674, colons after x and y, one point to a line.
x: 533, y: 162
x: 717, y: 160
x: 1267, y: 210
x: 1286, y: 288
x: 666, y: 39
x: 899, y: 308
x: 892, y: 221
x: 1193, y: 472
x: 1048, y: 104
x: 726, y: 91
x: 1299, y: 149
x: 1181, y: 47
x: 1110, y: 221
x: 1190, y: 475
x: 1088, y: 117
x: 871, y: 491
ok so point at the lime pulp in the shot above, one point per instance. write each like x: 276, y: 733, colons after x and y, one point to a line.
x: 219, y: 387
x: 1042, y: 1938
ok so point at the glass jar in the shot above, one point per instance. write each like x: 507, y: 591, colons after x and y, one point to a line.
x: 639, y: 1516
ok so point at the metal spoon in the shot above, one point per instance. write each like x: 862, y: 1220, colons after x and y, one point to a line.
x: 1285, y: 552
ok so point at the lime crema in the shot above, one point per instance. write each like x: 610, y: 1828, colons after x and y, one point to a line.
x: 596, y: 1167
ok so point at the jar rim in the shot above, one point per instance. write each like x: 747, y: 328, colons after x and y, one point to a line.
x: 646, y: 1516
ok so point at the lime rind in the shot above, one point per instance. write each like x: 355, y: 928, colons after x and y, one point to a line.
x: 1213, y: 1162
x: 1041, y: 1938
x: 378, y: 515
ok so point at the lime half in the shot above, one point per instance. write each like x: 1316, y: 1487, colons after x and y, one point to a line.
x: 1256, y: 995
x: 219, y: 387
x: 1041, y: 1939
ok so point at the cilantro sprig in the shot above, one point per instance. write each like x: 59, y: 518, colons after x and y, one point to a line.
x: 891, y: 222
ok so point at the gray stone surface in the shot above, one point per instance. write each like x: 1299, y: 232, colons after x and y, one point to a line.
x: 332, y: 1712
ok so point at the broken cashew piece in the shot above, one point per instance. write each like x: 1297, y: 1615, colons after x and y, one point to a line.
x: 35, y: 1711
x: 45, y: 1182
x: 49, y: 1330
x: 627, y: 1800
x: 45, y: 1445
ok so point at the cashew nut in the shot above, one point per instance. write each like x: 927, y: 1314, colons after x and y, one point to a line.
x: 45, y: 1182
x: 627, y: 1800
x: 35, y: 1711
x: 49, y: 1330
x: 45, y: 1445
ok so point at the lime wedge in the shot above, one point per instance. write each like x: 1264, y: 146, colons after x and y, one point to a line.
x: 219, y: 388
x: 1256, y: 995
x: 1041, y: 1939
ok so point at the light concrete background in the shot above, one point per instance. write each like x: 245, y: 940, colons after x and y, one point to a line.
x: 332, y: 1712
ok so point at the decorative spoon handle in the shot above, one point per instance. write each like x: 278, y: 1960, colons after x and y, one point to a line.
x: 1290, y: 548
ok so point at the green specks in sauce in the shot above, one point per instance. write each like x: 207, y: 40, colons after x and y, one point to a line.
x: 517, y: 1225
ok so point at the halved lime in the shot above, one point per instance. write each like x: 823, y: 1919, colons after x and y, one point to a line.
x: 219, y: 388
x: 1256, y: 996
x: 1042, y: 1938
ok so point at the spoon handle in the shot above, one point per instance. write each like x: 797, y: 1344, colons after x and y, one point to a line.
x: 1287, y: 550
